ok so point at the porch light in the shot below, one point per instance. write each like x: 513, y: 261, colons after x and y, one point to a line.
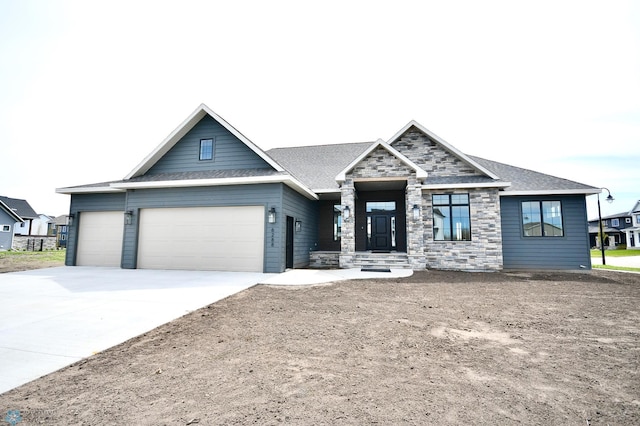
x: 346, y: 212
x: 601, y: 236
x: 298, y: 225
x: 416, y: 212
x: 72, y: 216
x: 271, y: 216
x: 128, y: 217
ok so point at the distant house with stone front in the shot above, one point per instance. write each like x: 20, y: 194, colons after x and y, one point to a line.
x: 209, y: 198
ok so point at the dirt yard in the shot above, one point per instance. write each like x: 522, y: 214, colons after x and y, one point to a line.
x: 14, y: 261
x: 436, y: 348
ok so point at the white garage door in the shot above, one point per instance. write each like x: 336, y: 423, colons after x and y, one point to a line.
x: 202, y: 238
x: 100, y: 239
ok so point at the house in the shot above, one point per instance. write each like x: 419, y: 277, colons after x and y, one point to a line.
x: 25, y: 211
x: 42, y: 225
x: 209, y: 198
x: 632, y: 232
x: 60, y: 227
x: 613, y: 227
x: 8, y: 217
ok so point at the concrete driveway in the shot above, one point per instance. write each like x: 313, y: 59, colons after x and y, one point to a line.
x: 50, y: 318
x: 630, y: 262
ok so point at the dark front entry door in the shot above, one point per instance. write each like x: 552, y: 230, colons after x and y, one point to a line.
x: 289, y: 252
x: 380, y: 232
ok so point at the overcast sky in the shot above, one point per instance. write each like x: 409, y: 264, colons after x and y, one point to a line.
x: 89, y: 88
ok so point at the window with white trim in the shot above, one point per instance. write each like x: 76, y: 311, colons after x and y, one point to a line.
x: 206, y: 149
x: 615, y: 222
x: 6, y: 228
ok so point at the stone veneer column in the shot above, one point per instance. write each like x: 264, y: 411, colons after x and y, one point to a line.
x: 348, y: 236
x: 415, y: 227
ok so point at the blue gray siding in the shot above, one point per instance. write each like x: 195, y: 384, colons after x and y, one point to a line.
x: 88, y: 203
x: 6, y: 238
x: 306, y: 240
x: 568, y: 252
x: 229, y: 152
x: 221, y: 196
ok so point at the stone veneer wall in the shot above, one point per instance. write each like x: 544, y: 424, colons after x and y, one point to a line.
x: 484, y: 251
x: 324, y: 259
x: 33, y: 242
x: 433, y: 159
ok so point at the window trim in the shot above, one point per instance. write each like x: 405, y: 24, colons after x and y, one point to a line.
x: 542, y: 222
x: 201, y: 151
x: 450, y: 205
x: 615, y: 222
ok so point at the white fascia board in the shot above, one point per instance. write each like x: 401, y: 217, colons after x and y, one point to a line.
x: 87, y: 190
x: 183, y: 129
x: 420, y: 173
x: 287, y: 180
x: 445, y: 144
x: 467, y: 185
x: 10, y: 212
x: 552, y: 192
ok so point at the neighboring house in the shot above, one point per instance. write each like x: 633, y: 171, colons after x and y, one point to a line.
x: 24, y: 210
x: 613, y: 227
x: 633, y: 232
x: 42, y: 225
x: 208, y: 198
x: 60, y: 229
x: 8, y: 217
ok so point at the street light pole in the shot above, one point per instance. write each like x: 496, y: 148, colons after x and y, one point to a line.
x: 601, y: 237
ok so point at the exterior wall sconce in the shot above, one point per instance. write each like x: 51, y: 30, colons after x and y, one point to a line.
x: 271, y: 215
x: 346, y: 212
x: 416, y: 212
x: 72, y: 217
x: 298, y: 225
x: 128, y: 217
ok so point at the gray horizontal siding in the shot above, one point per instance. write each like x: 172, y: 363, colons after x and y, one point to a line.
x: 567, y: 252
x: 89, y: 203
x: 239, y: 195
x: 306, y: 211
x: 229, y: 152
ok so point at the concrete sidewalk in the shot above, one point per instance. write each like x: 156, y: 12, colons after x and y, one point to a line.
x: 53, y: 317
x: 630, y: 261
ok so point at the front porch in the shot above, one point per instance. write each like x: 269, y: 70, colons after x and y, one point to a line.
x: 366, y: 260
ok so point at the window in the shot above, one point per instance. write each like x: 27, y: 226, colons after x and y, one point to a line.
x: 542, y: 219
x: 615, y: 222
x: 6, y: 228
x: 451, y: 218
x: 337, y: 222
x: 206, y: 149
x: 627, y: 220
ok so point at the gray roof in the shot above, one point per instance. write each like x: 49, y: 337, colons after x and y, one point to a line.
x: 528, y: 180
x: 207, y: 174
x: 21, y: 207
x: 317, y: 166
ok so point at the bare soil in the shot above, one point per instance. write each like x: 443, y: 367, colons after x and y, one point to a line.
x: 435, y: 348
x: 15, y: 261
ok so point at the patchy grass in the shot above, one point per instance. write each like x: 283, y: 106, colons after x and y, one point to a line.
x: 615, y: 253
x: 12, y: 261
x: 616, y: 268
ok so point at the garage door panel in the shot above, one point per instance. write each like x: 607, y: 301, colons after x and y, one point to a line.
x: 202, y: 238
x: 100, y: 239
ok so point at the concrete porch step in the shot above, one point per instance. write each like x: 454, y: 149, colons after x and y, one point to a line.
x: 381, y: 260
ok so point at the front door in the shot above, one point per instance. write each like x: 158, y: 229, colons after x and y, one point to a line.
x: 380, y: 232
x: 381, y: 225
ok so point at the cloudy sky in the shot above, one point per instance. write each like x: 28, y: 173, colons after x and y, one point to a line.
x: 88, y: 89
